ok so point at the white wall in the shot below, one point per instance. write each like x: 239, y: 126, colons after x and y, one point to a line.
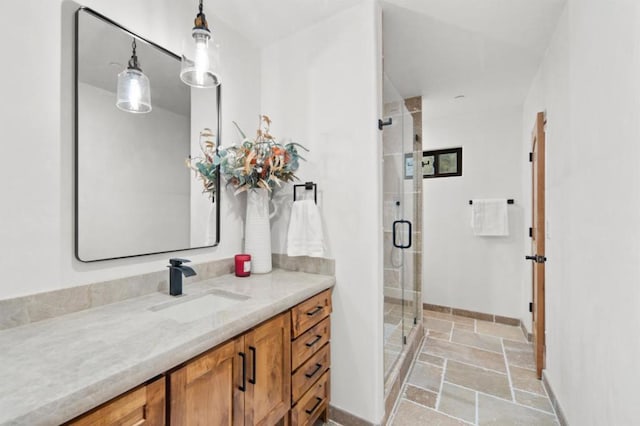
x: 36, y: 168
x: 590, y: 87
x: 461, y: 270
x: 322, y: 88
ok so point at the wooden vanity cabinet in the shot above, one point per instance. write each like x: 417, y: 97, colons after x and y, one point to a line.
x: 144, y: 405
x: 246, y: 381
x: 207, y: 390
x: 311, y: 359
x: 268, y: 349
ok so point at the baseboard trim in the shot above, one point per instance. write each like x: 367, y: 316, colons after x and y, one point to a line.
x: 554, y: 401
x: 526, y: 333
x: 473, y: 314
x: 342, y: 417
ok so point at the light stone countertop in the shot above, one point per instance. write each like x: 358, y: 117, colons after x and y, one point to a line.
x: 54, y: 370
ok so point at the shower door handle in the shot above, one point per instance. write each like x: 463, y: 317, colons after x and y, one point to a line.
x: 395, y: 226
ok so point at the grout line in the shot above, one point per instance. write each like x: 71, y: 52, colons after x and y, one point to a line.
x: 532, y: 393
x: 422, y: 388
x: 444, y: 370
x: 506, y: 364
x: 429, y: 363
x: 439, y: 412
x: 468, y: 346
x: 478, y: 366
x: 477, y: 407
x: 497, y: 397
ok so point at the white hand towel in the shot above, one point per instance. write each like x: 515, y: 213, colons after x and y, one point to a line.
x: 490, y: 217
x: 305, y: 236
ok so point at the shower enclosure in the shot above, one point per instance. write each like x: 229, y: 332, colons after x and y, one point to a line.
x: 402, y: 211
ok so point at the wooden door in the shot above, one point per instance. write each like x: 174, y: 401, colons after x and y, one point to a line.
x: 142, y: 406
x: 268, y: 348
x: 208, y: 390
x: 538, y: 239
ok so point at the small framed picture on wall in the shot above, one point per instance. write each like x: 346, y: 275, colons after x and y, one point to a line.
x: 442, y: 163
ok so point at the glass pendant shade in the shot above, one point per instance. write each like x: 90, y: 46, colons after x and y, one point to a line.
x: 200, y: 60
x: 134, y: 93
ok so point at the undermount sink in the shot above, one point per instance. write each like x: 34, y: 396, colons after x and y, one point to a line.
x: 192, y: 308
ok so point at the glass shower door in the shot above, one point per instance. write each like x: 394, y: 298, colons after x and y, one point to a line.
x: 398, y: 208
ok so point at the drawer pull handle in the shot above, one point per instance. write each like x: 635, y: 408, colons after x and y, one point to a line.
x: 253, y: 365
x: 314, y: 311
x: 313, y: 373
x: 243, y: 387
x: 316, y: 405
x: 314, y: 341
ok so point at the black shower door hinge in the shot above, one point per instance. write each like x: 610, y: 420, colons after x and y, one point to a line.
x: 531, y: 157
x: 530, y: 232
x: 530, y: 306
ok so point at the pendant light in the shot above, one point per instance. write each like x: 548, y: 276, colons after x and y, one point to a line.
x: 133, y: 94
x: 200, y: 56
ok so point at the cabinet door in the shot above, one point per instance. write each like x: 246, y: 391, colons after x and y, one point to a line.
x: 141, y: 406
x: 207, y: 391
x: 268, y: 347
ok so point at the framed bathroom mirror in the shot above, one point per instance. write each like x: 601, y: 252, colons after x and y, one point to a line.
x: 134, y: 193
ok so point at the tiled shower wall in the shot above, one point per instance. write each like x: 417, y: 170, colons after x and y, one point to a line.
x: 414, y: 105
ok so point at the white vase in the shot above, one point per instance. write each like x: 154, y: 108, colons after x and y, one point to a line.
x: 257, y: 230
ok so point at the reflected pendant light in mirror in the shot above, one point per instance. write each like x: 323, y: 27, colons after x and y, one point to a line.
x: 200, y: 56
x: 133, y: 94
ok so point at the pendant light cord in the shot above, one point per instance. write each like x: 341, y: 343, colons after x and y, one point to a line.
x: 133, y: 61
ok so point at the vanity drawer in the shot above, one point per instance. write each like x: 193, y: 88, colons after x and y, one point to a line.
x: 143, y: 405
x: 312, y: 340
x: 310, y: 312
x: 306, y: 375
x: 312, y: 404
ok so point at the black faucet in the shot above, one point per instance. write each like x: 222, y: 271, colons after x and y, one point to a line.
x: 176, y: 269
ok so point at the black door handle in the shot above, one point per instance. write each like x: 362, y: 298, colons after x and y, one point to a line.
x: 253, y: 364
x: 244, y: 372
x: 536, y: 258
x: 395, y: 243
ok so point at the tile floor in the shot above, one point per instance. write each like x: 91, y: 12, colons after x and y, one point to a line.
x: 472, y: 372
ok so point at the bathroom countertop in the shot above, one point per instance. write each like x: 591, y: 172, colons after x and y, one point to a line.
x: 54, y: 370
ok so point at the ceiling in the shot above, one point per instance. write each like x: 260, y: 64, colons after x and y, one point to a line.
x: 263, y: 22
x: 487, y: 50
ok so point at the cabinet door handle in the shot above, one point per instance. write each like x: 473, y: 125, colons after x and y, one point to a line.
x: 316, y: 405
x: 314, y: 341
x: 313, y: 373
x: 243, y: 387
x: 253, y: 365
x: 314, y: 311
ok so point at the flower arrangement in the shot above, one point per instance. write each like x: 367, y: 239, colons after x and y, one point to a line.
x: 255, y: 163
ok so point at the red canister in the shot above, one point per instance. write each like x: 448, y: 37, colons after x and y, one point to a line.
x: 243, y: 265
